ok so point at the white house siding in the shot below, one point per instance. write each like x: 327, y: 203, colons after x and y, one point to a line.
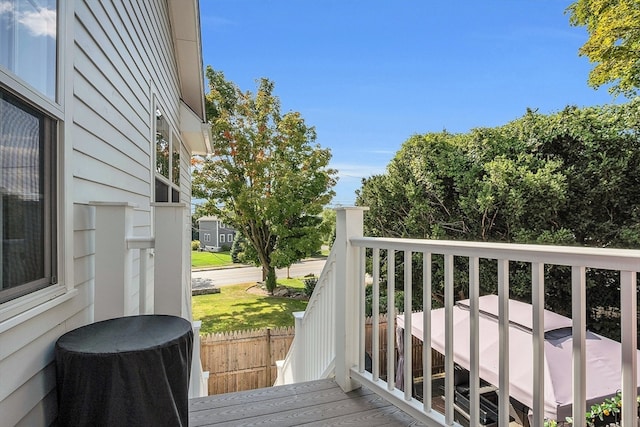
x: 117, y: 51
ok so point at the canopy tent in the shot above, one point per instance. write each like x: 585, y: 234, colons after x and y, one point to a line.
x: 603, y: 355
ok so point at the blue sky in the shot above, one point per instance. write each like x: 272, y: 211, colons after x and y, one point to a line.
x: 369, y: 74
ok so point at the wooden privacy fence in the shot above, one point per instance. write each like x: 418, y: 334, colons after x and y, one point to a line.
x: 246, y: 360
x: 243, y: 360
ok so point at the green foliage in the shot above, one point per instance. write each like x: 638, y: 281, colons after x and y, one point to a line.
x: 309, y: 285
x: 569, y: 178
x: 271, y: 281
x: 237, y: 247
x: 195, y: 245
x: 383, y: 300
x: 613, y: 44
x: 267, y: 177
x: 609, y: 408
x: 328, y: 226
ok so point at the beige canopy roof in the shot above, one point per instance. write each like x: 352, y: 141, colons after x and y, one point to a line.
x: 603, y: 356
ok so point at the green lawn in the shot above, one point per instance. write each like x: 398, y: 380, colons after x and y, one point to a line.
x: 210, y: 259
x: 235, y: 309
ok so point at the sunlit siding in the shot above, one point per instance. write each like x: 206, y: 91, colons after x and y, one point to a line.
x: 123, y: 61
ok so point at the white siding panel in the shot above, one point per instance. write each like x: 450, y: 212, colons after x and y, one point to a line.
x: 84, y: 217
x: 112, y: 48
x: 87, y: 191
x: 96, y: 101
x: 83, y: 269
x: 156, y: 45
x: 83, y: 243
x: 44, y: 411
x: 93, y: 141
x: 92, y: 129
x: 23, y: 364
x: 33, y: 395
x: 96, y: 170
x: 137, y: 117
x: 122, y: 55
x: 142, y: 221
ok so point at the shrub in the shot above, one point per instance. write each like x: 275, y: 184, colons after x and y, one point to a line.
x: 309, y: 285
x: 195, y: 245
x: 237, y: 248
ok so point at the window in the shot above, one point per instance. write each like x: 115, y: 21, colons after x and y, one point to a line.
x: 229, y: 238
x: 28, y: 42
x: 222, y: 238
x: 207, y: 237
x: 167, y: 162
x: 27, y: 195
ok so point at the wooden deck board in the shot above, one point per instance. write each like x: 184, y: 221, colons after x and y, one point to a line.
x: 315, y: 403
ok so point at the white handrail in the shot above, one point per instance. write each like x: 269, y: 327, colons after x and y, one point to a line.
x: 627, y: 262
x: 314, y: 335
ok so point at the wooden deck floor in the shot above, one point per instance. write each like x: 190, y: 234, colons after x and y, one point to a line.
x: 315, y: 403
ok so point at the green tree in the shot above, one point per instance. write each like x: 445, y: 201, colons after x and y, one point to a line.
x: 613, y: 44
x: 328, y: 226
x: 267, y: 176
x: 569, y: 178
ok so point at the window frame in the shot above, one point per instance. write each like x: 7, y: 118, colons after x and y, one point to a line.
x: 58, y: 228
x: 50, y: 136
x: 175, y: 146
x: 60, y: 49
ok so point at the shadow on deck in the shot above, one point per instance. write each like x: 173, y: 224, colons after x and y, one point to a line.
x: 315, y: 403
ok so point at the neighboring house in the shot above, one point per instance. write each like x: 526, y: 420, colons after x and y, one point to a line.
x: 214, y: 235
x: 101, y: 108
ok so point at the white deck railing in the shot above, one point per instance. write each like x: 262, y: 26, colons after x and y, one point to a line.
x: 339, y: 312
x: 161, y: 282
x: 312, y: 352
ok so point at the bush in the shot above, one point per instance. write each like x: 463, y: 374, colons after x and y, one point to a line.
x: 309, y: 285
x: 237, y: 248
x: 195, y: 245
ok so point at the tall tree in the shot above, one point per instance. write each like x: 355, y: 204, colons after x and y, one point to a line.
x: 569, y: 178
x: 267, y: 176
x: 614, y: 42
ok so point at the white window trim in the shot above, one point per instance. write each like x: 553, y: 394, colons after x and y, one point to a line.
x: 16, y: 311
x: 28, y: 306
x: 174, y: 139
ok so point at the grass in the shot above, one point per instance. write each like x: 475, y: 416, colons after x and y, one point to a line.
x: 235, y: 309
x: 210, y: 259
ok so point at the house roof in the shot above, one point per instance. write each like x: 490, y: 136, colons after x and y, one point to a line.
x: 185, y: 28
x: 207, y: 218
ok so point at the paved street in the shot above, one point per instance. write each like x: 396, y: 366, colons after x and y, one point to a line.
x: 233, y: 276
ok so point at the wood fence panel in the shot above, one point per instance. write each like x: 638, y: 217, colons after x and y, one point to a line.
x: 246, y: 360
x: 243, y: 360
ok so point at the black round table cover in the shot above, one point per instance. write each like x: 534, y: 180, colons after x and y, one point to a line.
x: 127, y: 371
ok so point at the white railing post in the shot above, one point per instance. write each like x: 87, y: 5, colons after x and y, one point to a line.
x: 349, y: 223
x: 143, y: 244
x: 299, y: 359
x: 113, y: 260
x: 629, y: 334
x: 171, y: 265
x: 195, y: 380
